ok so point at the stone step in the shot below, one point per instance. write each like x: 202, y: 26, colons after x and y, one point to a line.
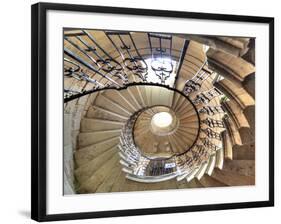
x: 201, y: 171
x: 242, y: 167
x: 107, y: 184
x: 118, y: 98
x: 244, y: 152
x: 219, y: 158
x: 89, y: 138
x: 98, y: 176
x: 117, y: 106
x: 211, y: 165
x: 185, y: 110
x: 86, y: 170
x: 86, y: 154
x: 94, y: 124
x: 101, y: 113
x: 232, y: 178
x: 208, y: 181
x: 194, y: 183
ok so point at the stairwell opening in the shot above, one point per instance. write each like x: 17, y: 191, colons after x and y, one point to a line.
x: 162, y: 120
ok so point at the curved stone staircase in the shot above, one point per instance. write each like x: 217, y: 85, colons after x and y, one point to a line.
x: 210, y: 141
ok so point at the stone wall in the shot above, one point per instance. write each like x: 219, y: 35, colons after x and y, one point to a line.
x: 74, y: 111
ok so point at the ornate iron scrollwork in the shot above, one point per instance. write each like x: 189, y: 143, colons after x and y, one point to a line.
x: 195, y: 83
x: 158, y: 167
x: 69, y: 92
x: 161, y: 57
x: 211, y: 110
x: 213, y: 123
x: 107, y: 65
x: 211, y: 146
x: 70, y: 68
x: 76, y: 72
x: 126, y: 47
x: 88, y: 65
x: 73, y: 70
x: 192, y: 158
x: 207, y: 96
x: 106, y: 62
x: 211, y: 134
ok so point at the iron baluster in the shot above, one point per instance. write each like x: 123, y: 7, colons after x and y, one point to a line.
x: 162, y: 66
x: 70, y: 69
x: 211, y: 146
x: 181, y: 60
x: 69, y: 92
x: 105, y: 64
x: 96, y: 62
x: 212, y: 110
x: 105, y: 61
x: 108, y: 64
x: 89, y: 66
x: 213, y: 123
x: 135, y: 64
x: 195, y: 83
x: 207, y: 96
x: 211, y: 134
x: 79, y: 74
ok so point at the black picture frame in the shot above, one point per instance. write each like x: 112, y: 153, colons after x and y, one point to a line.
x: 39, y: 107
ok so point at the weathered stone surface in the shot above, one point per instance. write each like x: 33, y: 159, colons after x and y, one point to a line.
x: 91, y: 184
x: 234, y: 46
x: 233, y: 132
x: 247, y: 135
x: 86, y: 154
x: 208, y: 181
x: 249, y: 112
x: 68, y: 170
x: 88, y: 125
x: 236, y: 92
x: 86, y: 170
x: 242, y: 167
x: 227, y: 145
x: 86, y: 139
x: 100, y: 113
x: 236, y: 113
x: 67, y: 129
x: 250, y: 54
x: 97, y: 118
x: 231, y: 65
x: 249, y: 84
x: 244, y: 152
x: 68, y: 188
x: 232, y: 178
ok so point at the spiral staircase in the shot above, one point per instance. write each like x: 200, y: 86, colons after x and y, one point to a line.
x: 149, y: 111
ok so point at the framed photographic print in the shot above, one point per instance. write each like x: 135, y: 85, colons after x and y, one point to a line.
x: 138, y: 111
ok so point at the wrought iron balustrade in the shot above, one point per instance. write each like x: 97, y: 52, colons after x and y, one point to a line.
x: 161, y: 57
x: 125, y: 45
x: 212, y: 123
x: 195, y: 83
x: 211, y: 110
x: 211, y: 146
x: 160, y: 167
x: 207, y: 96
x: 211, y: 134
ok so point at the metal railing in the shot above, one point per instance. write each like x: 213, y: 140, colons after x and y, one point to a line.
x: 144, y: 169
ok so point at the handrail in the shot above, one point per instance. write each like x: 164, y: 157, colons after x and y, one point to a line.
x: 138, y: 166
